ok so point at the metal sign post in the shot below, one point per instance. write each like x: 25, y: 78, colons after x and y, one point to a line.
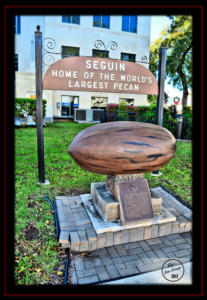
x: 161, y: 85
x: 39, y: 105
x: 161, y: 96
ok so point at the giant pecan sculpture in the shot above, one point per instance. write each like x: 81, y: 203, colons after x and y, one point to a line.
x: 123, y: 147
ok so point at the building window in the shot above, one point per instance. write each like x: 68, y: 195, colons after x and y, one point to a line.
x: 70, y: 51
x: 17, y: 25
x: 127, y: 101
x: 16, y: 62
x: 99, y: 102
x: 100, y: 53
x: 68, y: 103
x: 128, y: 56
x: 101, y: 21
x: 129, y: 23
x: 71, y: 19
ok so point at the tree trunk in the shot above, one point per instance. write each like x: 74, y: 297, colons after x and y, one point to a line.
x: 183, y: 77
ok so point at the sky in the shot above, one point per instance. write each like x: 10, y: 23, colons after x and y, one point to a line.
x: 158, y: 23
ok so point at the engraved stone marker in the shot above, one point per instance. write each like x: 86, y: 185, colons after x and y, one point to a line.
x: 135, y: 201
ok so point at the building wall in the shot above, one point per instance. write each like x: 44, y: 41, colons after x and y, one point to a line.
x: 82, y: 36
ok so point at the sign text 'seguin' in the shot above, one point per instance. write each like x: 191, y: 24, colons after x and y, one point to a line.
x: 98, y: 74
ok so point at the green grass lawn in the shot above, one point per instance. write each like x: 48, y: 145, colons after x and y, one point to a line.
x: 37, y: 250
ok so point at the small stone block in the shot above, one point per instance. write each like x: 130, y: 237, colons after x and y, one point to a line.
x: 133, y: 235
x: 117, y: 237
x: 188, y: 226
x: 129, y: 258
x: 91, y: 234
x: 181, y: 229
x: 75, y: 241
x: 140, y: 234
x: 162, y: 229
x: 79, y: 265
x: 156, y: 204
x: 125, y: 236
x: 83, y: 241
x: 136, y: 250
x: 147, y: 232
x: 101, y: 240
x: 86, y: 272
x: 83, y: 247
x: 102, y: 274
x: 128, y: 271
x: 169, y: 249
x: 112, y: 251
x: 145, y: 258
x: 92, y: 245
x: 150, y: 267
x: 130, y: 245
x: 82, y: 236
x: 73, y: 278
x: 65, y: 202
x: 109, y: 239
x: 160, y: 253
x: 154, y: 232
x: 120, y: 250
x: 144, y: 245
x: 152, y: 256
x: 168, y: 229
x: 175, y: 227
x: 112, y: 271
x: 153, y: 241
x: 181, y: 253
x: 97, y: 262
x: 64, y: 236
x: 183, y: 246
x: 58, y: 202
x: 88, y: 280
x: 106, y: 260
x: 182, y: 221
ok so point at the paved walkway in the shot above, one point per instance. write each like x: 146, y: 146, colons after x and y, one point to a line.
x: 154, y: 278
x: 129, y: 259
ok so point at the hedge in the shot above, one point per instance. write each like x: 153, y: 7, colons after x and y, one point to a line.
x: 27, y: 106
x: 127, y: 112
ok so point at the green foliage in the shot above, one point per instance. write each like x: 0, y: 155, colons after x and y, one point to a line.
x: 177, y: 38
x: 152, y: 99
x: 187, y: 123
x: 122, y: 112
x: 27, y: 106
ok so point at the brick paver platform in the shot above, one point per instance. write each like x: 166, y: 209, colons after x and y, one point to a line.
x: 77, y: 232
x: 128, y: 259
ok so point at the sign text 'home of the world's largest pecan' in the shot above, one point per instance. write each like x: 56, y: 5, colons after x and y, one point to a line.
x: 100, y: 75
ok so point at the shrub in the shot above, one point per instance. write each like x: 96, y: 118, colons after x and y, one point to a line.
x: 27, y: 106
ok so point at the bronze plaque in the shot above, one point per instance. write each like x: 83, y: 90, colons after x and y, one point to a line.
x: 135, y: 201
x: 96, y: 74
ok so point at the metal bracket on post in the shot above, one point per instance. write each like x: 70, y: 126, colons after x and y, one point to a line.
x: 39, y: 105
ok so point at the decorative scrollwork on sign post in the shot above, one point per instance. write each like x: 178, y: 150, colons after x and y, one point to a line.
x: 99, y: 44
x: 48, y: 44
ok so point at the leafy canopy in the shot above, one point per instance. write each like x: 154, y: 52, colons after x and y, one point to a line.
x: 177, y: 38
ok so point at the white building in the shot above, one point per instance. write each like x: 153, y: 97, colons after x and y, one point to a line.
x: 117, y: 37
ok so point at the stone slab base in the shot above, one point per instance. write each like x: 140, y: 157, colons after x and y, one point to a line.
x: 77, y: 231
x: 109, y: 208
x: 101, y: 226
